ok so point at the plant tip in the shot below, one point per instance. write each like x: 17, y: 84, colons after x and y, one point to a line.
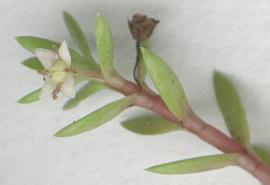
x: 150, y: 169
x: 58, y: 134
x: 216, y: 72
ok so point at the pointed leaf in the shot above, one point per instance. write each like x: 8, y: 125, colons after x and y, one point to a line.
x: 31, y: 43
x: 95, y: 119
x: 86, y: 91
x: 166, y: 82
x: 262, y: 153
x: 33, y: 63
x: 231, y: 107
x: 149, y: 125
x: 104, y: 46
x: 31, y: 97
x: 194, y: 165
x: 77, y: 35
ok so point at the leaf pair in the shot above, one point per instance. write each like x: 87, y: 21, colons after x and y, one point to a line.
x: 163, y: 77
x: 104, y: 42
x: 237, y: 124
x: 80, y: 39
x: 232, y: 110
x: 172, y: 93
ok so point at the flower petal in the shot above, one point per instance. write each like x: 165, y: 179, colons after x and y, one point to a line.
x: 64, y: 52
x: 47, y: 88
x: 45, y: 56
x: 68, y: 88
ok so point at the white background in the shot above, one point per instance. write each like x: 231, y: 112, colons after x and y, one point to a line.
x: 194, y: 36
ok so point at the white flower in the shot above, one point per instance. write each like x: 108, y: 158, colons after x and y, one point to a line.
x: 58, y: 75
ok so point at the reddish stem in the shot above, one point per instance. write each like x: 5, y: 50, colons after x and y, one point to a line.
x: 249, y: 161
x: 149, y: 100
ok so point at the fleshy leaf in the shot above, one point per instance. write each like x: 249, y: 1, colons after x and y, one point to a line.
x: 149, y: 125
x: 89, y: 89
x: 231, y: 107
x: 104, y: 46
x: 77, y: 35
x: 31, y: 43
x: 96, y: 119
x: 262, y: 153
x: 166, y: 82
x: 31, y: 97
x: 194, y: 165
x: 33, y: 63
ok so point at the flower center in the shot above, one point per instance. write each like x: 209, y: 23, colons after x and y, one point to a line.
x: 57, y: 71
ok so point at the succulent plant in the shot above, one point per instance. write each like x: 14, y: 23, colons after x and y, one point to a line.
x: 63, y: 67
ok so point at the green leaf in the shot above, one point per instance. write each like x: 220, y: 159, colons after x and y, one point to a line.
x: 150, y: 125
x: 194, y: 165
x: 141, y: 69
x: 231, y: 107
x: 31, y: 97
x: 89, y: 89
x: 262, y: 153
x: 166, y: 82
x: 96, y: 119
x: 33, y: 63
x: 77, y: 35
x: 31, y: 43
x: 104, y: 46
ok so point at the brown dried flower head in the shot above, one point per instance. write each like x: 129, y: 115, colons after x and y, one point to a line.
x: 141, y: 27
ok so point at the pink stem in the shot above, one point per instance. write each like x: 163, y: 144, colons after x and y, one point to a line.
x: 149, y: 100
x: 249, y: 161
